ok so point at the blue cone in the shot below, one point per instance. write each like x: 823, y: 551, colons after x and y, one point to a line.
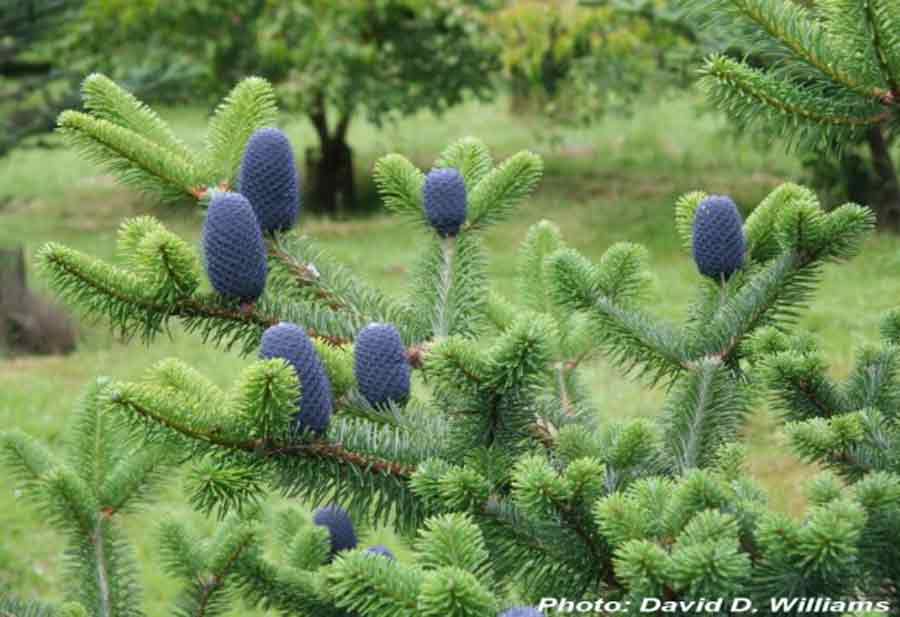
x: 269, y: 180
x: 291, y: 343
x: 445, y: 200
x: 719, y: 242
x: 339, y: 525
x: 233, y: 248
x: 380, y: 364
x: 382, y: 551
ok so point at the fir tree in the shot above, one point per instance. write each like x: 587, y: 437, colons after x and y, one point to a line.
x: 497, y: 471
x: 825, y: 77
x: 33, y: 88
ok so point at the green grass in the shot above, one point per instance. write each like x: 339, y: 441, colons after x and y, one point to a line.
x: 616, y: 181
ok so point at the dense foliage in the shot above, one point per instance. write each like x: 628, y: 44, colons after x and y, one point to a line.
x: 828, y: 76
x: 576, y: 60
x: 494, y: 467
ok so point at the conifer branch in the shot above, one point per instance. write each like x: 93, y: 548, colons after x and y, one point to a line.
x: 848, y: 26
x: 346, y: 303
x: 362, y: 584
x: 880, y: 40
x: 13, y: 607
x: 135, y: 160
x: 400, y: 185
x: 133, y: 400
x: 742, y: 81
x: 755, y: 304
x: 794, y: 27
x: 705, y: 412
x: 339, y: 453
x: 828, y: 75
x: 532, y: 553
x: 121, y: 297
x: 809, y: 239
x: 622, y: 331
x: 634, y: 342
x: 573, y: 521
x: 106, y: 100
x: 248, y: 107
x: 498, y: 191
x: 215, y: 582
x: 800, y: 387
x: 441, y: 325
x: 565, y: 399
x: 287, y: 591
x: 98, y: 540
x: 306, y: 275
x: 82, y: 496
x: 449, y: 289
x: 470, y: 156
x: 885, y: 19
x: 28, y: 460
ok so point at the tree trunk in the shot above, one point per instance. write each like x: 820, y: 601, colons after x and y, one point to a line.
x: 330, y: 173
x: 28, y: 323
x: 330, y: 167
x: 12, y: 265
x: 887, y: 207
x: 12, y: 290
x: 12, y: 276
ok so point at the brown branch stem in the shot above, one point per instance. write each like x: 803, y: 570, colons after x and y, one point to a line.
x: 191, y: 308
x: 215, y: 582
x: 268, y: 449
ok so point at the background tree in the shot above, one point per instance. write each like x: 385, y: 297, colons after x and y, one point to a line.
x: 830, y: 77
x: 50, y: 46
x: 576, y: 60
x: 332, y: 61
x: 335, y: 60
x: 32, y: 89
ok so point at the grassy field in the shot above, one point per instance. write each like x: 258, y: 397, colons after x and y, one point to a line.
x: 615, y: 182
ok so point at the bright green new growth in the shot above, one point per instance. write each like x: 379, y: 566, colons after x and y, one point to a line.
x: 498, y: 472
x: 133, y: 143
